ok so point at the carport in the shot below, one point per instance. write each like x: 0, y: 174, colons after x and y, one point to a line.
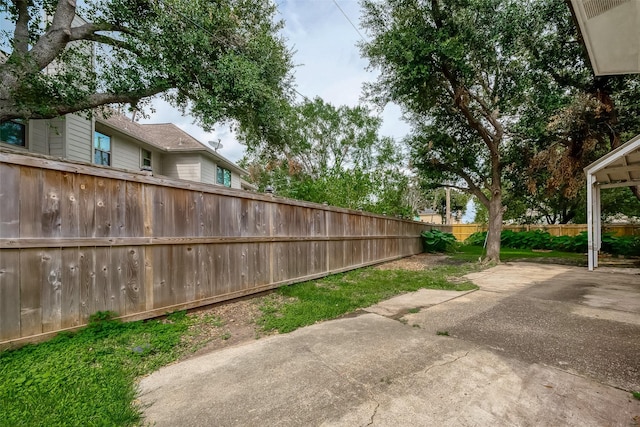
x: 619, y: 168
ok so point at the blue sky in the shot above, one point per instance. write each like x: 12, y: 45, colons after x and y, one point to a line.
x: 328, y: 65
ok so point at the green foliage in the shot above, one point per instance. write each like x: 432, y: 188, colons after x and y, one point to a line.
x: 309, y: 302
x: 569, y: 118
x: 538, y: 239
x: 438, y: 241
x: 86, y: 378
x: 636, y: 394
x: 625, y: 245
x: 334, y: 155
x: 435, y: 198
x: 223, y: 60
x: 476, y: 239
x: 102, y: 316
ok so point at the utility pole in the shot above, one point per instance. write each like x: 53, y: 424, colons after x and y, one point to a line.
x: 448, y: 197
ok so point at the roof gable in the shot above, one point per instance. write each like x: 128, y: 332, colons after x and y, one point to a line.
x: 166, y: 137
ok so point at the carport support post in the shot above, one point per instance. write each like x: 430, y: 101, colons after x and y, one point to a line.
x: 593, y: 221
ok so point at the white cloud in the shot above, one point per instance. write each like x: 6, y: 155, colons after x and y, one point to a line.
x: 329, y: 65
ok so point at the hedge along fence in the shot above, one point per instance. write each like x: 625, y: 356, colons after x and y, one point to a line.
x: 463, y: 231
x: 76, y: 239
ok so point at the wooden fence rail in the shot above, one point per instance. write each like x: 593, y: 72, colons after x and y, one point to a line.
x: 463, y: 231
x: 76, y: 239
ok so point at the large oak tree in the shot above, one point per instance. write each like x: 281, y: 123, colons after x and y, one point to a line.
x: 221, y: 60
x: 446, y: 63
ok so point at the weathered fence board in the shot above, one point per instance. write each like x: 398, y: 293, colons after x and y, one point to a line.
x: 10, y: 295
x: 77, y: 239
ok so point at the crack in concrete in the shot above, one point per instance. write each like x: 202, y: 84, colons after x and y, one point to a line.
x: 351, y: 380
x: 375, y: 411
x: 447, y: 363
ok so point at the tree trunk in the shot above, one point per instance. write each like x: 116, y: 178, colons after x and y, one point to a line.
x: 495, y: 227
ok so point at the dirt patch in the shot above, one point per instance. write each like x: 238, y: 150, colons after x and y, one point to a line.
x: 418, y: 262
x: 224, y: 325
x: 234, y: 322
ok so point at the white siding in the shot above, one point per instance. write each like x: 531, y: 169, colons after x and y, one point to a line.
x: 235, y: 180
x: 125, y: 154
x: 79, y: 138
x: 157, y: 160
x: 208, y: 171
x: 56, y: 137
x: 182, y: 166
x: 37, y: 138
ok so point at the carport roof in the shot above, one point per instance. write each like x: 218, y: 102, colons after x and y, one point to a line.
x: 619, y: 168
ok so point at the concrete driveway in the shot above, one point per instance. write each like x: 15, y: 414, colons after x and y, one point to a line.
x: 536, y: 345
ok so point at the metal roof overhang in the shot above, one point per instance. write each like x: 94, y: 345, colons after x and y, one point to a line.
x: 611, y: 33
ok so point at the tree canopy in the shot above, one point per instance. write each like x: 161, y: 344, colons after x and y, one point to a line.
x: 333, y: 155
x: 570, y: 118
x: 450, y: 66
x: 222, y: 60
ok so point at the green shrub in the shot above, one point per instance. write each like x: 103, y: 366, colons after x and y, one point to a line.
x: 477, y: 239
x: 437, y: 241
x: 538, y: 239
x: 624, y: 245
x: 581, y: 242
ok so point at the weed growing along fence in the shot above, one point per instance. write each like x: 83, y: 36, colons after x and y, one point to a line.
x: 76, y: 239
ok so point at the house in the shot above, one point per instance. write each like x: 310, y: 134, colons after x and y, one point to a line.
x: 430, y: 216
x: 117, y: 141
x: 433, y: 217
x: 164, y: 149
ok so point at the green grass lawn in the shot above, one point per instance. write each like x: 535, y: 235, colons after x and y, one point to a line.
x: 306, y: 303
x: 472, y: 253
x: 88, y: 378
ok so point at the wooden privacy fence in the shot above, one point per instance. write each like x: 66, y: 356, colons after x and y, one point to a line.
x: 76, y: 239
x: 463, y: 231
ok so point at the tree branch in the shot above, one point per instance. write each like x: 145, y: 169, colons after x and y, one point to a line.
x: 51, y: 43
x: 88, y: 32
x: 99, y: 38
x: 92, y: 101
x: 473, y: 187
x: 21, y: 33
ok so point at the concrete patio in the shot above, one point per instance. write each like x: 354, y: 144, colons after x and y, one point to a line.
x: 536, y: 345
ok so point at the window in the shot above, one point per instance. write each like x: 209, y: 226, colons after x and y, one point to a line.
x: 146, y: 159
x: 101, y: 149
x: 223, y: 177
x: 13, y: 132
